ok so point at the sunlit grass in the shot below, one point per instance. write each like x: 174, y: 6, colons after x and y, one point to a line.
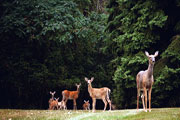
x: 156, y: 114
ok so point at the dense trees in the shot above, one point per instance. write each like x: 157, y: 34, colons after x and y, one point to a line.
x: 47, y: 45
x: 51, y: 45
x: 136, y: 26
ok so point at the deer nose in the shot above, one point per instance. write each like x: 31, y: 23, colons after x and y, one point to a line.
x: 153, y: 59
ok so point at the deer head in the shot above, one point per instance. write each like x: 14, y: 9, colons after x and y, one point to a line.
x: 52, y: 94
x: 151, y: 57
x: 89, y: 81
x: 78, y: 85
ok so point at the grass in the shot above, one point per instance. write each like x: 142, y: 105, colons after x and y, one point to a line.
x: 131, y: 114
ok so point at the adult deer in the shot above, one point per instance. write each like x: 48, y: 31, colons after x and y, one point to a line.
x: 71, y: 95
x: 145, y: 80
x: 98, y: 93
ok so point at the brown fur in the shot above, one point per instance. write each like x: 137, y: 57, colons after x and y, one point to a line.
x: 61, y: 105
x: 145, y: 80
x: 71, y: 95
x: 86, y: 105
x: 98, y: 93
x: 53, y: 104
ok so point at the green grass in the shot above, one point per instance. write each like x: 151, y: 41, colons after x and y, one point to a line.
x: 131, y: 114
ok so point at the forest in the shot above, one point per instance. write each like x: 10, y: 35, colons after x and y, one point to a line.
x: 51, y: 45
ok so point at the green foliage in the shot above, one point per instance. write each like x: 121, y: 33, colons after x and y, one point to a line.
x: 51, y: 45
x: 46, y: 46
x: 133, y: 27
x: 168, y: 80
x: 135, y: 23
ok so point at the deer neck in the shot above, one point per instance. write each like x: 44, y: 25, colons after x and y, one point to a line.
x: 150, y: 69
x: 89, y: 88
x: 78, y: 90
x: 52, y: 97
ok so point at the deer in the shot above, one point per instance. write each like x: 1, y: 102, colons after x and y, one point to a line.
x: 145, y: 80
x: 71, y: 95
x: 98, y: 93
x: 61, y: 105
x: 53, y: 104
x: 86, y: 105
x: 52, y: 97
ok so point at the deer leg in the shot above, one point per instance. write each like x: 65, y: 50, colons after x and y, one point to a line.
x: 49, y: 106
x: 105, y: 103
x: 65, y: 101
x: 64, y: 106
x: 110, y: 105
x: 74, y: 102
x: 142, y: 97
x: 138, y: 94
x: 150, y: 90
x: 145, y: 93
x: 94, y: 104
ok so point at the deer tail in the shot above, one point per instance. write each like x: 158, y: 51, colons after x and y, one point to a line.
x: 108, y: 94
x: 63, y: 95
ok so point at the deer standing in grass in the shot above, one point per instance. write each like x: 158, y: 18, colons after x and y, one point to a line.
x: 98, y: 93
x: 71, y: 95
x: 61, y: 105
x: 145, y: 80
x: 54, y: 104
x: 52, y: 97
x: 86, y: 105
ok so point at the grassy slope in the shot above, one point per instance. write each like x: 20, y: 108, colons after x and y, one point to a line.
x: 156, y: 114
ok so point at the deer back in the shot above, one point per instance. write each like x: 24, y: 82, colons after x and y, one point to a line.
x: 98, y: 93
x: 70, y: 94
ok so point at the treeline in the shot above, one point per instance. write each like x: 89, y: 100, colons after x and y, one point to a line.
x: 51, y: 45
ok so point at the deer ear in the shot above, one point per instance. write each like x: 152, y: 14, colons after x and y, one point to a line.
x: 86, y: 79
x: 84, y: 101
x: 146, y: 53
x: 50, y: 92
x: 92, y: 79
x: 54, y: 92
x: 156, y: 53
x: 76, y: 84
x: 79, y: 84
x: 88, y: 101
